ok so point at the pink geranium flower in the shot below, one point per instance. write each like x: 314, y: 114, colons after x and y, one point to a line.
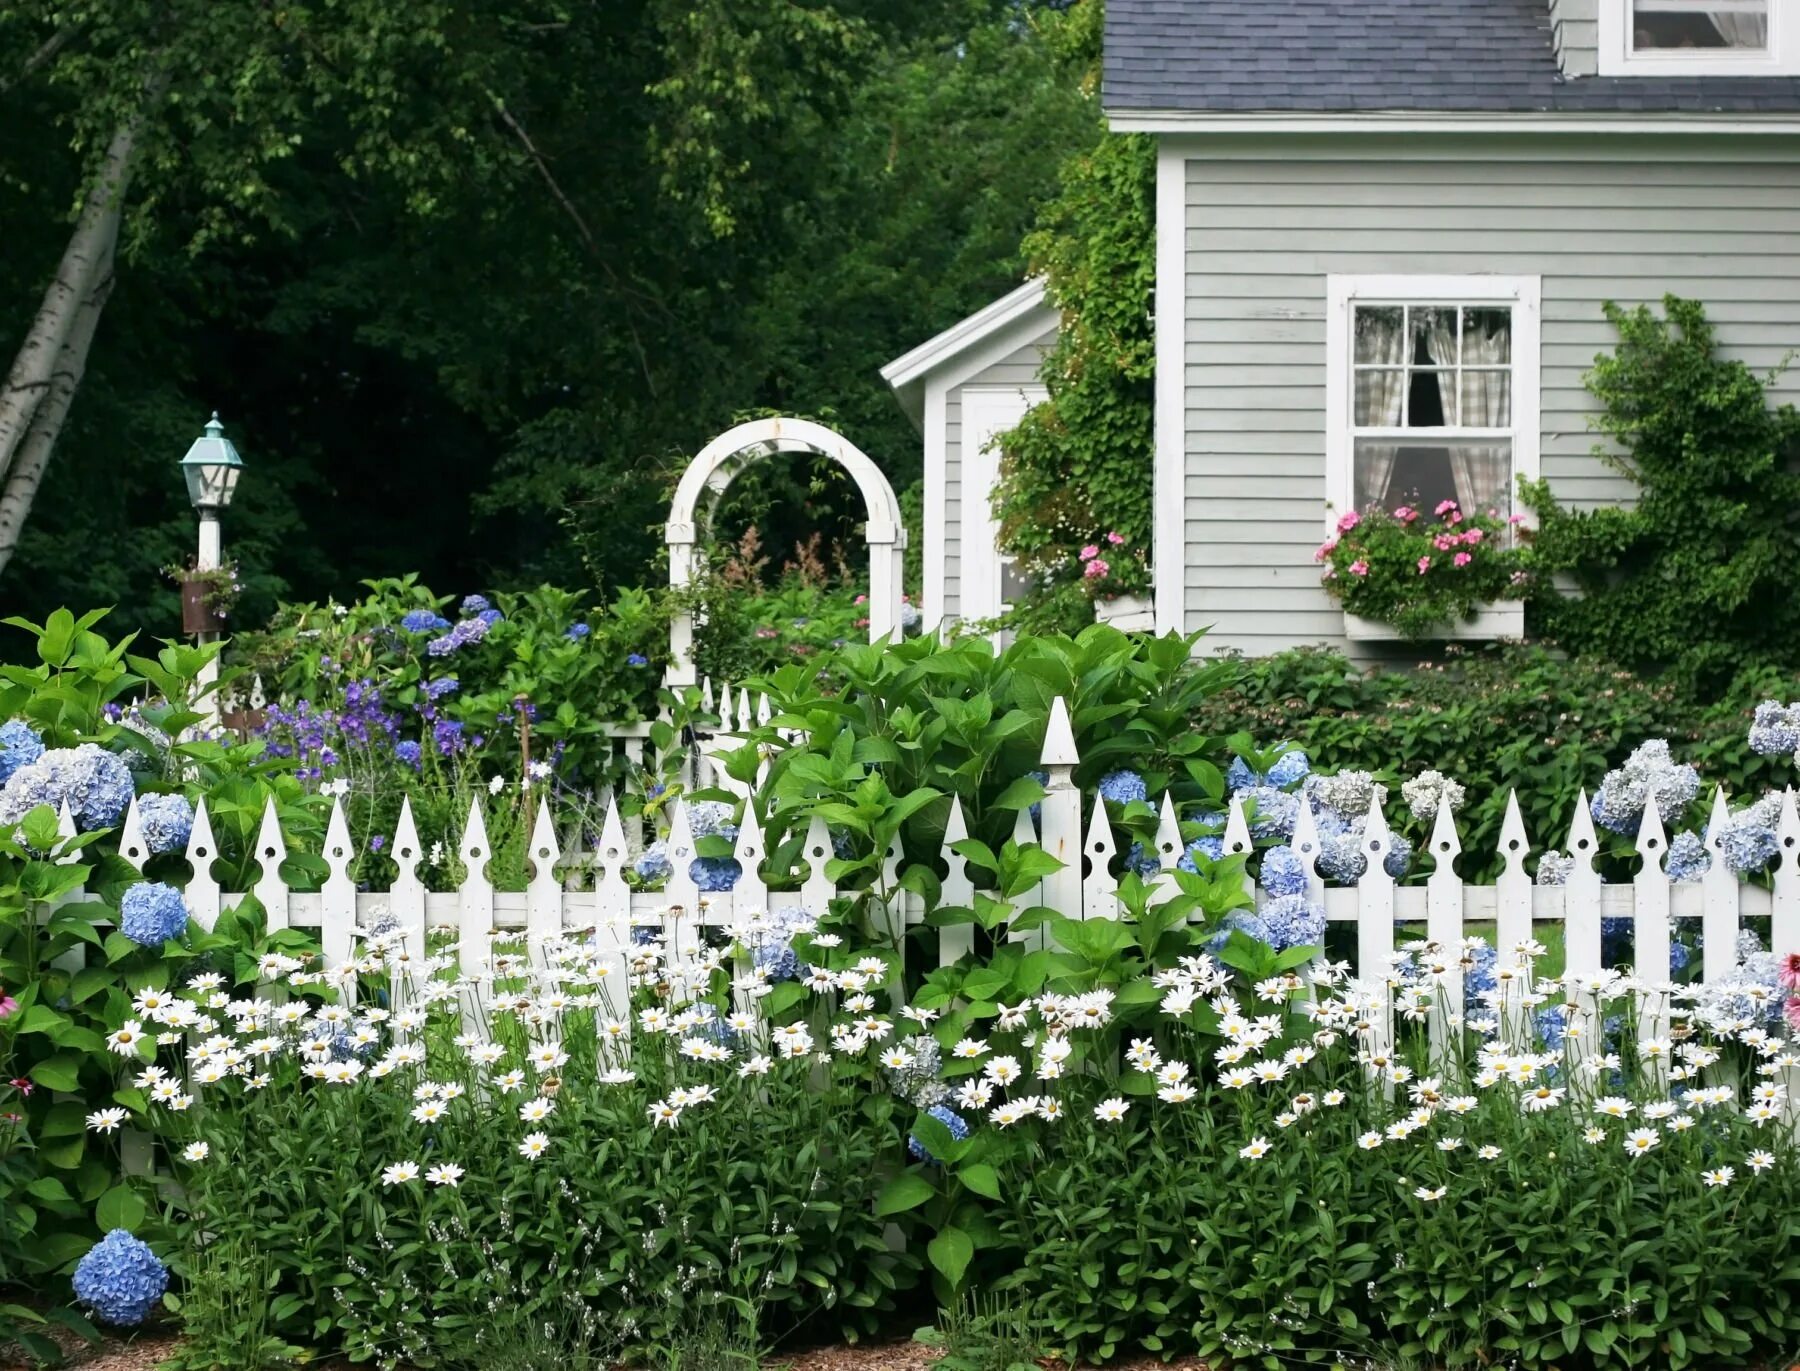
x: 1461, y: 559
x: 1473, y: 536
x: 1445, y: 541
x: 1424, y: 565
x: 861, y: 600
x: 1516, y: 519
x: 1096, y: 569
x: 1406, y: 514
x: 1359, y: 568
x: 1326, y: 548
x: 1116, y: 539
x: 1445, y: 507
x: 1348, y: 521
x: 1088, y: 553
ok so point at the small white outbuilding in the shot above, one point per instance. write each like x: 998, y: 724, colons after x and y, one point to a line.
x: 974, y: 380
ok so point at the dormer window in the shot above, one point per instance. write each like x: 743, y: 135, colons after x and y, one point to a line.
x: 1698, y: 38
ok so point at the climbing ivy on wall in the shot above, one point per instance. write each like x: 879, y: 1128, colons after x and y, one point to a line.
x: 1079, y: 465
x: 1700, y: 577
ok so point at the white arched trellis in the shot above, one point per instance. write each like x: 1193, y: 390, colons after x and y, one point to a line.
x: 714, y: 468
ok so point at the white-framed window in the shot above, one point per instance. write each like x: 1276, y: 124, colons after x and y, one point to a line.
x: 1699, y: 38
x: 1431, y: 391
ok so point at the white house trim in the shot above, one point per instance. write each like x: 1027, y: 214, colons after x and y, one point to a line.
x: 931, y: 608
x: 1524, y: 293
x: 1168, y: 482
x: 1782, y: 57
x: 905, y: 374
x: 1413, y: 122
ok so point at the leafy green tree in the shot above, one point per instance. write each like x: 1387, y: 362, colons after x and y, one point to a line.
x: 1698, y: 576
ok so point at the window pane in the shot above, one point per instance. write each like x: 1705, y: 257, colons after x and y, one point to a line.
x: 1674, y: 25
x: 1434, y: 336
x: 1379, y: 335
x: 1432, y: 397
x: 1487, y: 336
x: 1380, y: 399
x: 1487, y: 399
x: 1478, y: 476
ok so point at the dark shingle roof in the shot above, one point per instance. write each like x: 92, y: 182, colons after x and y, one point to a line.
x: 1366, y: 55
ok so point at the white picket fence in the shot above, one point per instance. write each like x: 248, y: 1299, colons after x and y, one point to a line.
x: 591, y: 892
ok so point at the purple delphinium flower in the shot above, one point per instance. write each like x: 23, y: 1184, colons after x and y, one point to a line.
x: 410, y: 753
x: 444, y: 685
x: 447, y: 737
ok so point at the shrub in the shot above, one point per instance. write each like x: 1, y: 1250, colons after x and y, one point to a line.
x: 1697, y: 578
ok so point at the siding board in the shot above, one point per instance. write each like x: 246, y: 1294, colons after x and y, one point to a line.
x: 1262, y: 235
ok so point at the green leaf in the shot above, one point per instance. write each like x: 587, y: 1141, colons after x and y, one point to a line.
x: 981, y: 1178
x: 120, y: 1207
x: 951, y: 1251
x: 906, y: 1191
x: 61, y: 1072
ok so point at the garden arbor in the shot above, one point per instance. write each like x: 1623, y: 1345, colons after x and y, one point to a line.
x: 712, y: 472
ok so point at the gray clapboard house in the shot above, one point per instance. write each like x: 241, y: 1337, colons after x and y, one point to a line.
x: 1385, y: 231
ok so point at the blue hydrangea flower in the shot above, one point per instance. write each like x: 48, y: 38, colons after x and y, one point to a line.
x: 1748, y: 841
x: 636, y: 659
x: 1292, y: 768
x: 151, y: 913
x: 168, y: 822
x: 1283, y: 873
x: 1775, y: 731
x: 1688, y: 858
x: 474, y: 604
x: 1679, y: 956
x: 1649, y: 771
x: 653, y: 863
x: 1142, y: 861
x: 120, y: 1279
x: 20, y: 745
x: 490, y: 617
x: 1554, y: 869
x: 778, y: 961
x: 958, y: 1126
x: 1122, y: 787
x: 423, y: 621
x: 409, y: 752
x: 1239, y: 776
x: 1399, y: 855
x: 577, y: 631
x: 1478, y: 970
x: 1271, y: 812
x: 444, y: 685
x: 1208, y: 845
x: 96, y: 784
x: 909, y: 617
x: 713, y: 875
x: 1292, y: 921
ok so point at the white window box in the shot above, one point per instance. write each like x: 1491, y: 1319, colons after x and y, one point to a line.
x: 1128, y: 613
x: 1491, y: 624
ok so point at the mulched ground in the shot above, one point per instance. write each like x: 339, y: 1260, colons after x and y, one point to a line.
x: 143, y: 1352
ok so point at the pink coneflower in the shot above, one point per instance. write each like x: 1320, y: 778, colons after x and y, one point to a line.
x: 1789, y: 974
x: 1424, y: 565
x: 22, y: 1085
x: 8, y: 1005
x: 1088, y: 553
x: 1792, y: 1010
x: 1096, y: 569
x: 1348, y: 521
x: 1359, y: 568
x: 1461, y: 559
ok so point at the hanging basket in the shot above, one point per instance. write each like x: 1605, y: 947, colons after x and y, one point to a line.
x: 196, y: 615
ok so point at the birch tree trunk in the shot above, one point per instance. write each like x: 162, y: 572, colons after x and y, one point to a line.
x: 20, y: 488
x: 70, y: 298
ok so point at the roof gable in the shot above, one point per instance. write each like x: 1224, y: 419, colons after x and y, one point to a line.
x: 1012, y: 312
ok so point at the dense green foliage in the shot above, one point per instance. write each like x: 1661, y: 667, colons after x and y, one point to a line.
x: 1496, y: 719
x: 465, y: 294
x: 1698, y: 577
x: 1078, y: 466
